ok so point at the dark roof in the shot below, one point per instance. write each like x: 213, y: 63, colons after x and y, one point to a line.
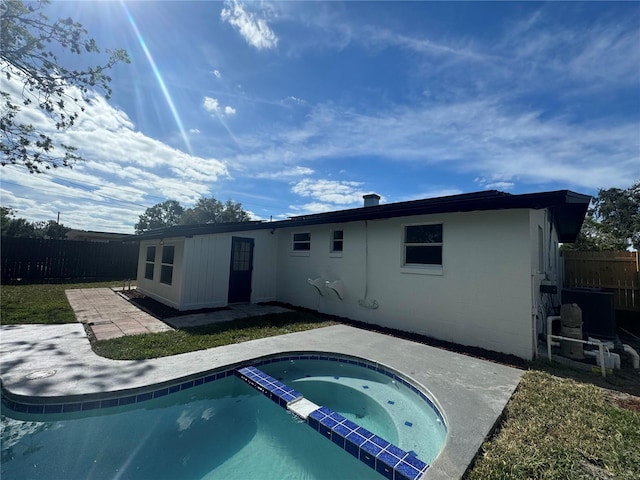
x: 568, y: 210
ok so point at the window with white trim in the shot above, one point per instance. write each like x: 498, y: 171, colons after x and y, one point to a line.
x: 166, y: 267
x: 337, y: 241
x: 422, y: 245
x: 301, y: 242
x: 149, y: 266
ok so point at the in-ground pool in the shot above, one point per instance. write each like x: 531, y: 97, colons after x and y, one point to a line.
x: 202, y: 428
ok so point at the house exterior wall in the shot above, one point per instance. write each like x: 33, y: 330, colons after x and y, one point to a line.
x: 545, y: 268
x: 482, y: 295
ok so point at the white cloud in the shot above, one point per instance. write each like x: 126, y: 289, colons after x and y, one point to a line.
x: 123, y: 171
x: 286, y: 174
x: 254, y: 30
x: 217, y: 73
x: 212, y: 105
x: 330, y: 191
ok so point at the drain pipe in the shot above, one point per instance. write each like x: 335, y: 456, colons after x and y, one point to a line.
x: 635, y: 359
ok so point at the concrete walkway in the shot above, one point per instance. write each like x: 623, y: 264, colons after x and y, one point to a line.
x: 109, y: 315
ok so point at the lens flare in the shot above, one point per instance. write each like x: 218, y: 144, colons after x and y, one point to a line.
x: 156, y: 72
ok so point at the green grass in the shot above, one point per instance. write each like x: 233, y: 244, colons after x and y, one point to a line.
x: 153, y: 345
x: 42, y: 303
x: 559, y: 428
x: 552, y: 427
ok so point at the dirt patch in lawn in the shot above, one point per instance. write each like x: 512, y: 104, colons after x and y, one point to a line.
x: 160, y: 310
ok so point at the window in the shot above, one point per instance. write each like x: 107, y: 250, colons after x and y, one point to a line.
x: 150, y: 263
x: 337, y: 239
x: 423, y: 245
x: 166, y: 269
x: 301, y: 242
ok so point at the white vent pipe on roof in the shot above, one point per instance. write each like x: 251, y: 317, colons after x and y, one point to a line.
x: 371, y: 200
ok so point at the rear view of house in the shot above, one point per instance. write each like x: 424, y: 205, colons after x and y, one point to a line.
x: 465, y: 268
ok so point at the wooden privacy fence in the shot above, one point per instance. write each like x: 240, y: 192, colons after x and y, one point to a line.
x: 39, y: 260
x: 614, y: 271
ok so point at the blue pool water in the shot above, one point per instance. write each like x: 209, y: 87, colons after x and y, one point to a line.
x: 374, y: 401
x: 220, y: 429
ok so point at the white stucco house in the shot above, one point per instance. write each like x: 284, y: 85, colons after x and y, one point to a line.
x: 466, y: 268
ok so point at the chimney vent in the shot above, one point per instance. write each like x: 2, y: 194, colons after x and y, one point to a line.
x: 371, y: 200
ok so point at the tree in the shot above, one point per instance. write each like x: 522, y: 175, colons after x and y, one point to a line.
x: 27, y: 43
x: 11, y: 226
x: 165, y: 214
x: 210, y: 210
x: 613, y: 221
x: 206, y: 210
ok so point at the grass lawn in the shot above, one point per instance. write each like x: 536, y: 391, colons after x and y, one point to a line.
x: 41, y: 303
x: 553, y: 427
x: 153, y: 345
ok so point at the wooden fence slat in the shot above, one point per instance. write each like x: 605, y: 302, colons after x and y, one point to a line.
x: 40, y: 260
x: 615, y: 271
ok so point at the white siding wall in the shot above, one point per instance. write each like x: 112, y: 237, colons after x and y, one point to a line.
x: 207, y: 263
x: 482, y: 297
x: 167, y: 294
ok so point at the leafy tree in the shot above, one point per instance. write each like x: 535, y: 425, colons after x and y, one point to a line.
x: 165, y: 214
x: 210, y: 210
x: 27, y: 43
x: 11, y: 226
x: 206, y: 210
x: 613, y: 221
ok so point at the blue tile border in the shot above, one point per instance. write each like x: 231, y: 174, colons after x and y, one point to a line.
x: 386, y: 458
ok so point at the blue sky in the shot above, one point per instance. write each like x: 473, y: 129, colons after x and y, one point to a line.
x: 302, y: 107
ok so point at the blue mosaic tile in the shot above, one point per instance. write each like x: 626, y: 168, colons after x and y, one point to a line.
x: 313, y: 423
x: 143, y: 397
x: 415, y: 462
x: 350, y: 425
x: 391, y: 402
x: 71, y: 407
x: 364, y: 432
x: 398, y: 452
x: 198, y: 381
x: 127, y: 400
x: 408, y: 424
x: 341, y: 430
x: 186, y: 385
x: 371, y: 448
x: 337, y: 439
x: 161, y: 393
x: 54, y: 408
x: 381, y: 442
x: 356, y: 439
x: 92, y: 405
x: 35, y: 409
x: 174, y: 388
x: 405, y: 471
x: 368, y: 458
x: 328, y: 422
x: 109, y: 402
x: 352, y: 448
x: 324, y: 430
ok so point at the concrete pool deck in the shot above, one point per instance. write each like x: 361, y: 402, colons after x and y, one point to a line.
x: 56, y: 362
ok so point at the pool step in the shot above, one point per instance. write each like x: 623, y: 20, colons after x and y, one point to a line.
x: 384, y: 457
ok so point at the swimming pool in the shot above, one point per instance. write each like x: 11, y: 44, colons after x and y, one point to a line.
x: 199, y: 428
